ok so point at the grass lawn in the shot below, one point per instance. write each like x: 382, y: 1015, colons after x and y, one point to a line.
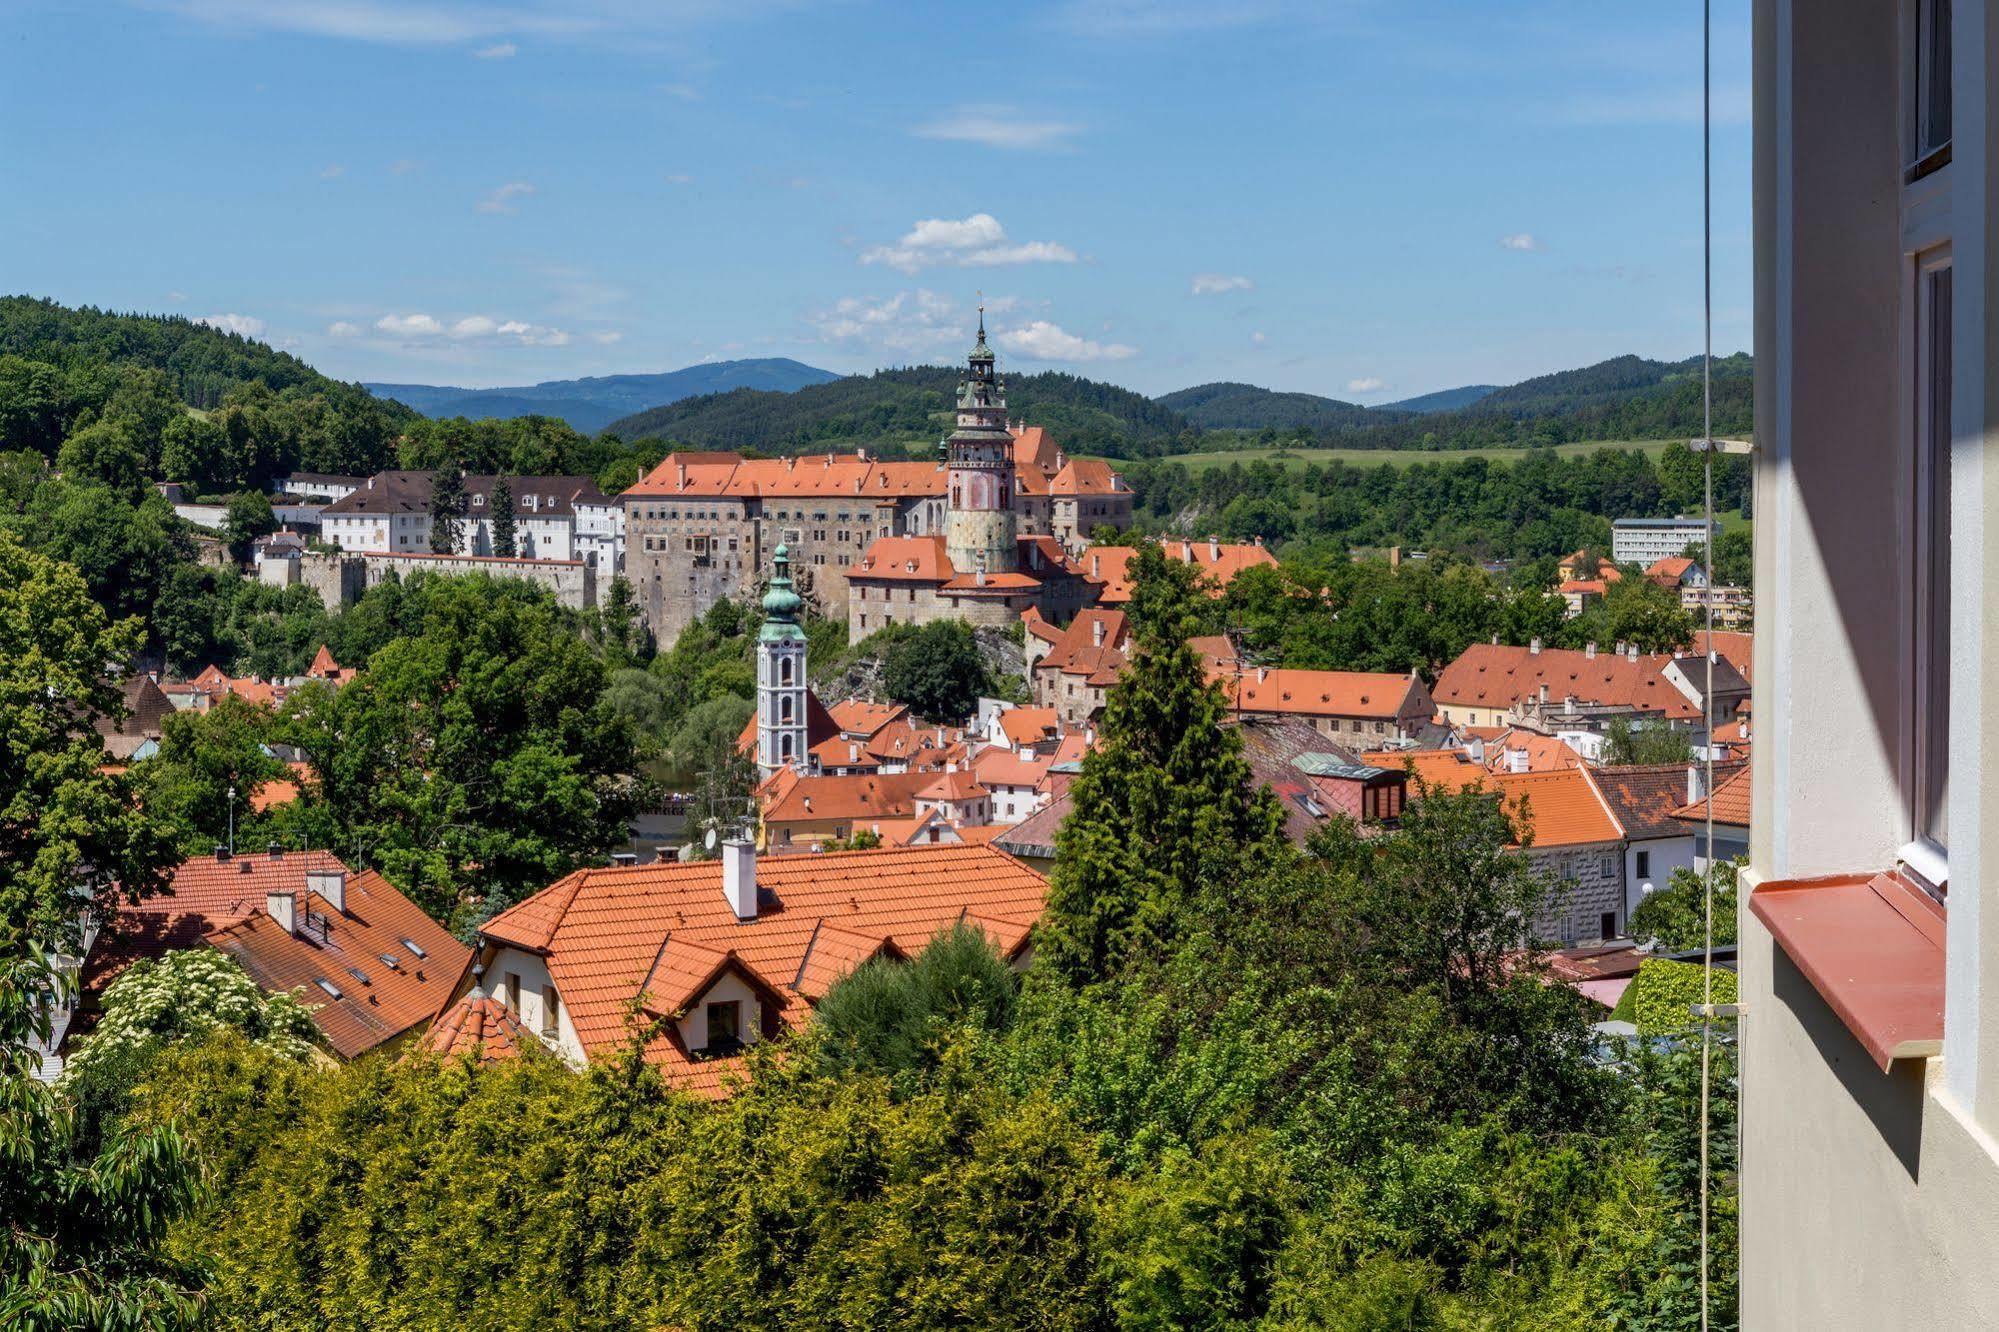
x: 1305, y: 457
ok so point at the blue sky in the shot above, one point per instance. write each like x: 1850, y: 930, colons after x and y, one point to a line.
x: 1367, y: 200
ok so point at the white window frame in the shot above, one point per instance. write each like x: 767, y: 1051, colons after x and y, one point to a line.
x: 1922, y: 854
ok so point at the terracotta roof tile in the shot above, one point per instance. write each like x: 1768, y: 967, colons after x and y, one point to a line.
x: 1365, y: 694
x: 612, y: 927
x: 478, y: 1027
x: 1491, y: 675
x: 1730, y: 800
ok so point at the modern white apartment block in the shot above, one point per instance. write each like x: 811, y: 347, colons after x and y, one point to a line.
x: 1643, y: 541
x: 1870, y: 965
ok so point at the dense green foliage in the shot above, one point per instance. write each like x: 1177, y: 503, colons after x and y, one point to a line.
x: 82, y: 1215
x: 1232, y: 406
x: 1625, y: 743
x: 892, y: 1016
x: 63, y: 820
x: 474, y: 759
x: 937, y: 671
x: 209, y: 766
x: 1664, y: 992
x: 1673, y: 916
x: 1543, y: 505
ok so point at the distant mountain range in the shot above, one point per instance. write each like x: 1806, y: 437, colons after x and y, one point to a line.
x: 1228, y: 406
x: 1443, y: 400
x: 591, y: 404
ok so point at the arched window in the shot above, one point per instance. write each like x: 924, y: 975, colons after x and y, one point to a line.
x: 784, y: 710
x: 784, y: 747
x: 784, y: 670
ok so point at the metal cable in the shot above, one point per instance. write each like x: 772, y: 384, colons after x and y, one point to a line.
x: 1707, y: 700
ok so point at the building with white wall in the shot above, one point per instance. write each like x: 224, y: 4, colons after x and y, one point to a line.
x: 1869, y: 948
x: 726, y: 953
x: 560, y: 518
x: 1645, y: 541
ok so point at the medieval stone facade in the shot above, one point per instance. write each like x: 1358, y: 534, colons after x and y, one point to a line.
x: 702, y: 526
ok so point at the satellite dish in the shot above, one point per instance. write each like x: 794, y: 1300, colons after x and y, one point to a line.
x: 710, y: 843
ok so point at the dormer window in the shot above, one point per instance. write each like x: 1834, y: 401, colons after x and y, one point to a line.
x: 725, y: 1026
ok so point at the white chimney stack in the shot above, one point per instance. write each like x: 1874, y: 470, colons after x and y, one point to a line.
x: 329, y: 884
x: 1534, y: 647
x: 1214, y: 550
x: 1589, y: 652
x: 1516, y: 760
x: 282, y: 908
x: 1097, y: 632
x: 739, y: 877
x: 1696, y: 784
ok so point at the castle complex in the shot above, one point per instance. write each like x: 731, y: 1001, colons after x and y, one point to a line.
x: 988, y: 532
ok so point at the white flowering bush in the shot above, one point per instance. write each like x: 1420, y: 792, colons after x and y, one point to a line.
x: 184, y: 996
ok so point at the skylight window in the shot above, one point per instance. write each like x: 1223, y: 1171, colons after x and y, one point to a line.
x: 358, y: 974
x: 331, y: 989
x: 415, y: 951
x: 389, y: 961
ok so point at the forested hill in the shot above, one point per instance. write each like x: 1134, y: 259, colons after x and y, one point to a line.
x: 201, y: 364
x: 1229, y: 406
x: 593, y: 403
x: 908, y: 407
x: 1626, y: 397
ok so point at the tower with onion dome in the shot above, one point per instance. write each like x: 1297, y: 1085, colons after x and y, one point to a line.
x: 781, y: 689
x: 978, y: 520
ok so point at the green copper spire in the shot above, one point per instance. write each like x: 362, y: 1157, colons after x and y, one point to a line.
x: 982, y: 352
x: 781, y: 604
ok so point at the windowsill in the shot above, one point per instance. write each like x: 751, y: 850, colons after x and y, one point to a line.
x: 1872, y: 945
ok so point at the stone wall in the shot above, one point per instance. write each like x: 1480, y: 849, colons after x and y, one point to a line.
x: 1585, y: 884
x: 341, y: 579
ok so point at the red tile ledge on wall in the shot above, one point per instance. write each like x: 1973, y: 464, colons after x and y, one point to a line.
x: 1872, y: 945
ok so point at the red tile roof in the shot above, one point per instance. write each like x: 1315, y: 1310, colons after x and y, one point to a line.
x: 860, y: 718
x: 918, y: 559
x: 1561, y: 808
x: 1078, y: 651
x: 1491, y: 675
x: 887, y: 795
x: 1029, y: 726
x: 1219, y: 562
x: 829, y: 475
x: 952, y: 786
x: 605, y: 931
x: 478, y: 1027
x: 1730, y: 800
x: 1364, y: 694
x: 385, y: 988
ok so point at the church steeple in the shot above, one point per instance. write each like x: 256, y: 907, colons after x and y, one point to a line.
x: 781, y: 691
x: 979, y: 523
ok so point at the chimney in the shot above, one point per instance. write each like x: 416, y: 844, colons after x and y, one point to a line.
x: 1096, y: 566
x: 1589, y: 652
x: 1620, y: 647
x: 1097, y: 632
x: 276, y: 850
x: 739, y: 877
x: 1544, y: 693
x: 1516, y: 760
x: 1214, y: 550
x: 1186, y: 552
x: 329, y: 884
x: 1633, y: 652
x: 1534, y: 647
x: 1495, y: 640
x: 1475, y: 751
x: 1569, y: 705
x: 282, y: 908
x: 1696, y: 784
x: 221, y: 852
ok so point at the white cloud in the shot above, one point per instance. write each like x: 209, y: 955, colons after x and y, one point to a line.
x: 1214, y: 284
x: 607, y: 338
x: 1520, y: 240
x: 409, y: 326
x: 1258, y: 339
x: 467, y: 328
x: 176, y: 297
x: 340, y: 328
x: 1043, y: 340
x: 978, y: 241
x: 502, y: 199
x: 438, y: 22
x: 995, y: 125
x: 918, y: 324
x: 332, y: 172
x: 248, y: 325
x: 497, y: 51
x: 1366, y: 384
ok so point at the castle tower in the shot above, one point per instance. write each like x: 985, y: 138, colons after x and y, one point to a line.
x: 978, y: 523
x: 780, y: 674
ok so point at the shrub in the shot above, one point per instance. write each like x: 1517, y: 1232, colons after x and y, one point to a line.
x: 1663, y: 992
